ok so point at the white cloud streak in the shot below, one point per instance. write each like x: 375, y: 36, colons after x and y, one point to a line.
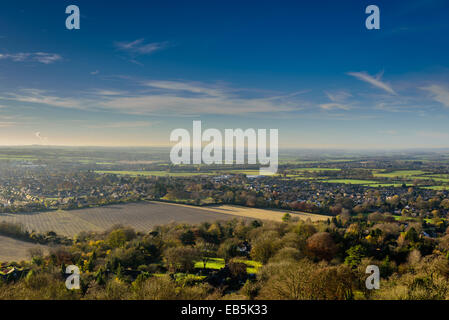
x: 41, y: 57
x: 187, y: 98
x: 338, y: 96
x: 117, y: 125
x: 374, y: 81
x: 40, y: 137
x: 139, y: 47
x: 166, y: 98
x: 7, y: 124
x: 438, y: 93
x: 331, y: 106
x: 43, y: 97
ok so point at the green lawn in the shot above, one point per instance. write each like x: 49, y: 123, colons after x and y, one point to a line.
x: 186, y: 276
x: 213, y: 263
x: 218, y: 263
x: 399, y: 218
x: 253, y: 266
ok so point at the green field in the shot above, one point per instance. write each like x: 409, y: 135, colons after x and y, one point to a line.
x: 439, y: 176
x: 398, y: 174
x: 396, y: 185
x: 436, y: 188
x: 353, y: 181
x: 298, y: 177
x: 290, y: 161
x: 213, y: 263
x: 256, y: 172
x: 218, y: 263
x: 402, y: 218
x: 17, y: 158
x: 315, y: 169
x: 434, y: 177
x: 177, y: 174
x: 154, y: 173
x: 246, y: 172
x: 414, y: 175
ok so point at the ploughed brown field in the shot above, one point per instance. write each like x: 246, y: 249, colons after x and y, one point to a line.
x: 141, y: 216
x: 16, y: 250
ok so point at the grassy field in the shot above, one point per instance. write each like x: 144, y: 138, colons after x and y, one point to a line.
x: 155, y: 173
x: 212, y: 263
x: 246, y: 172
x: 375, y: 185
x: 14, y: 158
x: 399, y: 174
x: 353, y: 181
x: 256, y: 172
x: 16, y: 250
x: 440, y: 178
x: 408, y: 175
x: 296, y: 177
x: 294, y: 161
x: 437, y: 187
x: 315, y: 169
x: 218, y: 263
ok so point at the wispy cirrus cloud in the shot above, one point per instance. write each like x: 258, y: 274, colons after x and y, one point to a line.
x: 44, y: 97
x: 438, y: 93
x: 338, y: 101
x: 41, y: 57
x: 333, y: 105
x: 189, y: 98
x: 433, y: 134
x: 7, y: 124
x: 139, y: 47
x: 192, y: 106
x: 101, y: 92
x: 374, y: 81
x: 180, y: 86
x: 338, y: 96
x: 164, y: 98
x: 122, y: 124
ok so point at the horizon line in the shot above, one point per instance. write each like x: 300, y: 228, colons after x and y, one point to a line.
x: 281, y: 148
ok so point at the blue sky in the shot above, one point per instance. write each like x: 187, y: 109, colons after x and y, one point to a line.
x: 138, y: 69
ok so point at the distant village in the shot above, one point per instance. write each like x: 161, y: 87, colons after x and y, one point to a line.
x: 40, y: 189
